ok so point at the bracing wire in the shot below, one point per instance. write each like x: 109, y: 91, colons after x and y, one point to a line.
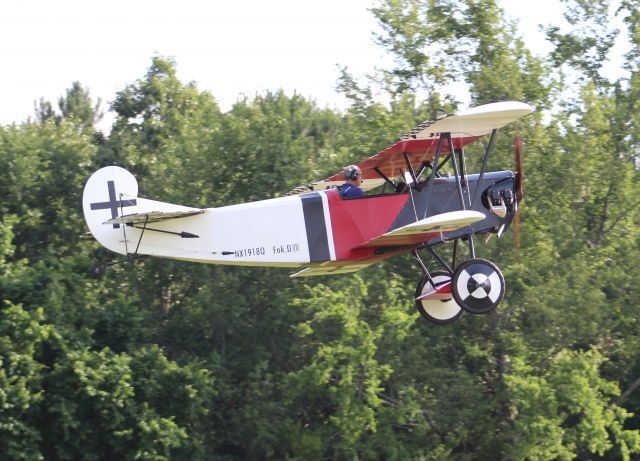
x: 124, y: 227
x: 413, y: 203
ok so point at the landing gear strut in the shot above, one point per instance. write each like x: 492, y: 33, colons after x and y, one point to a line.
x: 476, y: 286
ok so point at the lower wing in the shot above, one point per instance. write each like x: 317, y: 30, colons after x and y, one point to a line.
x: 444, y: 222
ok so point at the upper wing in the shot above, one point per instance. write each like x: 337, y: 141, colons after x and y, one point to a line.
x: 420, y: 144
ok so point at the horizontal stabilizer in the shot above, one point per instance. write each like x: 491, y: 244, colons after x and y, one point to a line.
x: 443, y: 222
x: 152, y: 217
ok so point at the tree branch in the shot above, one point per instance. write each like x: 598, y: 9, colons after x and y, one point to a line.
x: 634, y: 385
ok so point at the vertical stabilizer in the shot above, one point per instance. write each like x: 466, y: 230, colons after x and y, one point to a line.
x: 110, y: 192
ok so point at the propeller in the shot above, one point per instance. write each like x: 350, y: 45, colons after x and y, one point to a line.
x: 517, y: 145
x: 519, y: 186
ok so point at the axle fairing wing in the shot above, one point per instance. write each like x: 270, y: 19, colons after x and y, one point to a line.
x: 420, y: 144
x: 440, y: 223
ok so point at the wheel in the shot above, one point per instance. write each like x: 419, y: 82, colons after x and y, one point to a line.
x: 440, y: 311
x: 478, y: 286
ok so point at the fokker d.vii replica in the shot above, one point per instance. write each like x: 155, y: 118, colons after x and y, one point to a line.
x: 319, y: 232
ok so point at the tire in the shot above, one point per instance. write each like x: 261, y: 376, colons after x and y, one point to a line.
x: 438, y: 311
x: 478, y: 286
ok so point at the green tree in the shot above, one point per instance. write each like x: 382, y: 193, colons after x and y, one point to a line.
x: 172, y: 360
x: 21, y: 335
x: 78, y: 103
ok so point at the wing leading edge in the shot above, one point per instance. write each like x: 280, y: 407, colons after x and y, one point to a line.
x: 420, y: 144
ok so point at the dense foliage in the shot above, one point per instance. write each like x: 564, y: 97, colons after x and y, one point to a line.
x: 162, y: 360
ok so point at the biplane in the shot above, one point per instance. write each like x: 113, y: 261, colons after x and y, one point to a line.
x: 411, y: 205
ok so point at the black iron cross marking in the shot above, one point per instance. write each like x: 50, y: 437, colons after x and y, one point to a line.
x: 113, y: 204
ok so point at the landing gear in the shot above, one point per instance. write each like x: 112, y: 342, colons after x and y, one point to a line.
x: 477, y: 285
x: 438, y: 308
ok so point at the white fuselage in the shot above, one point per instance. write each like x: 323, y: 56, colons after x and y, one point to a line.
x: 265, y: 233
x: 286, y: 231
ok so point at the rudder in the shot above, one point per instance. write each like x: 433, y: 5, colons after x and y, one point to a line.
x: 110, y: 192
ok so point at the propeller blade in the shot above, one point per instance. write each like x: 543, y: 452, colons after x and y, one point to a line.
x: 519, y: 186
x: 517, y: 145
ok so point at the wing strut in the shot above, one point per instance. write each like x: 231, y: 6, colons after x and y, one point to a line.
x: 423, y: 167
x: 410, y: 167
x: 463, y: 173
x: 484, y: 163
x: 384, y: 176
x: 460, y: 174
x: 443, y: 163
x: 459, y: 178
x: 432, y: 175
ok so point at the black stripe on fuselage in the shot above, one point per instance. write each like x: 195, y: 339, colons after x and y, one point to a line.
x: 316, y: 228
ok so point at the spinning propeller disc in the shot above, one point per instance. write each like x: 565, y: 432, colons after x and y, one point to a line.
x: 478, y: 286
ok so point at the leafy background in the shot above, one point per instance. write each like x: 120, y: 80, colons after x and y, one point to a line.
x: 162, y: 360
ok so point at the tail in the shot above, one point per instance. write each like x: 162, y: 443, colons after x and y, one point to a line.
x: 109, y: 193
x: 117, y: 217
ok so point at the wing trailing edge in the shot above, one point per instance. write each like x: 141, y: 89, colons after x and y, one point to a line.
x: 331, y: 269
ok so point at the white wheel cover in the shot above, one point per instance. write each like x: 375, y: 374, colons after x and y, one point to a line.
x: 437, y: 308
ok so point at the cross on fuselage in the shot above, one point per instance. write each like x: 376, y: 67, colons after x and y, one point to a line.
x: 113, y: 204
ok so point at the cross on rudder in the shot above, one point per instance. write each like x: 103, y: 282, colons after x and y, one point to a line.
x: 113, y: 203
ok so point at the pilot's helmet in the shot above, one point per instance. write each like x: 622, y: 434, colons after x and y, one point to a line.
x: 351, y: 172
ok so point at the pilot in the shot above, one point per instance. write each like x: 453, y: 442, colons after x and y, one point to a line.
x: 352, y: 182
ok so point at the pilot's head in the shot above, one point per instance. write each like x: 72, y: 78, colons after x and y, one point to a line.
x: 353, y: 174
